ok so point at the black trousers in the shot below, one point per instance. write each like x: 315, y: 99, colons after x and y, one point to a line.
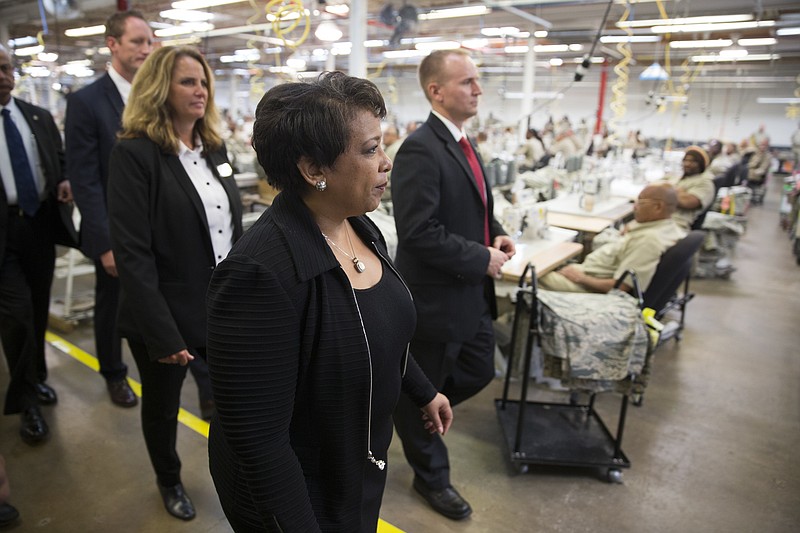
x: 161, y: 398
x: 26, y: 274
x: 459, y: 370
x: 108, y: 343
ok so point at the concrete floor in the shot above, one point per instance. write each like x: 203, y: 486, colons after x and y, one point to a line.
x: 712, y: 448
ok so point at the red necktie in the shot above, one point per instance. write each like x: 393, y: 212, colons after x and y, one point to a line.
x: 472, y: 159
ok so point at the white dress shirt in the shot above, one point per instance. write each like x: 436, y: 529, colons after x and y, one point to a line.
x: 215, y: 199
x: 123, y: 85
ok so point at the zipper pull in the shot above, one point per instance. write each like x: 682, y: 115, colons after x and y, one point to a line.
x: 380, y: 463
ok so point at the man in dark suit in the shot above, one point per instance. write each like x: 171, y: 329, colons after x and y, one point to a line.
x: 33, y: 184
x: 92, y: 121
x: 450, y: 249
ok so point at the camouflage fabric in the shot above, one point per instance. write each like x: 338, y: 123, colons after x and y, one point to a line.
x: 597, y: 337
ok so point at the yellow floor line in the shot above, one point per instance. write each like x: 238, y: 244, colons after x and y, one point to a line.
x: 184, y: 417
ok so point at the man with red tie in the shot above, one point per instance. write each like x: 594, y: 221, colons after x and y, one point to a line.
x: 450, y: 250
x: 32, y: 185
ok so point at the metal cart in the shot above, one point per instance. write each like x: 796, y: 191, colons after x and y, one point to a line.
x: 570, y: 434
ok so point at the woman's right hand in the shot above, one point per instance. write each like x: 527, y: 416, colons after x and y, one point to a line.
x: 438, y: 415
x: 180, y: 358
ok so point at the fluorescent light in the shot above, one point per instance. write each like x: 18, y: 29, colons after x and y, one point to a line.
x: 22, y: 41
x: 546, y: 95
x: 709, y: 43
x: 733, y: 52
x: 505, y: 31
x: 339, y: 9
x: 475, y: 44
x: 85, y: 31
x: 295, y: 63
x: 441, y: 45
x: 700, y: 28
x: 593, y: 59
x: 183, y: 29
x: 518, y: 49
x: 47, y: 57
x: 783, y: 32
x: 287, y: 15
x: 467, y: 11
x: 575, y: 47
x: 181, y: 41
x: 375, y: 43
x: 540, y: 34
x: 609, y: 39
x: 766, y: 100
x: 750, y: 57
x: 684, y: 20
x: 654, y: 72
x: 186, y: 15
x: 399, y: 54
x: 79, y: 63
x: 327, y: 30
x: 29, y: 50
x: 765, y: 41
x: 200, y: 4
x: 36, y: 71
x: 556, y: 62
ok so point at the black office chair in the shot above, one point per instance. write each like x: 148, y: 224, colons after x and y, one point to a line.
x: 674, y: 268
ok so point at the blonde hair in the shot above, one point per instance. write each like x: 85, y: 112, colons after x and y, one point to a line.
x: 148, y: 114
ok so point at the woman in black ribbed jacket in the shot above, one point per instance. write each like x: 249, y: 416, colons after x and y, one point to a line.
x: 309, y: 324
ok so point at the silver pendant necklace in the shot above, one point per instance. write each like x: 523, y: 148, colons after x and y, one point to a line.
x: 357, y: 263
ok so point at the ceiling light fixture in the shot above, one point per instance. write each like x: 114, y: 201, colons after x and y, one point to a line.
x: 467, y: 11
x: 610, y: 39
x: 22, y: 41
x: 85, y: 31
x: 701, y: 28
x: 183, y: 29
x: 29, y: 50
x: 200, y: 4
x: 441, y: 45
x: 764, y: 41
x: 328, y: 31
x: 750, y: 57
x: 783, y: 32
x: 710, y: 43
x: 684, y: 20
x: 186, y: 15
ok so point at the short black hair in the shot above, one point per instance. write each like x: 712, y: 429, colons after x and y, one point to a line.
x: 311, y: 119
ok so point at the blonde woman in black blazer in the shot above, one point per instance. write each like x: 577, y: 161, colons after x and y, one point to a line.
x: 174, y: 212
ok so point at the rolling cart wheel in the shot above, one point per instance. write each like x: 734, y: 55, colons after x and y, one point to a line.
x: 522, y: 469
x: 614, y: 475
x: 638, y: 400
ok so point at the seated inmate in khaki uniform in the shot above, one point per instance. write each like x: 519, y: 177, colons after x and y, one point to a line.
x: 639, y: 249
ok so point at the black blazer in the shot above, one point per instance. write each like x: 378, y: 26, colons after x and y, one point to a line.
x: 439, y: 213
x: 290, y: 369
x: 93, y: 118
x: 51, y: 155
x: 163, y: 251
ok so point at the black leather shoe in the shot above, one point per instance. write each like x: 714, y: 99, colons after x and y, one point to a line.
x: 34, y: 428
x: 177, y: 502
x: 121, y: 393
x: 446, y: 501
x: 8, y: 514
x: 45, y: 394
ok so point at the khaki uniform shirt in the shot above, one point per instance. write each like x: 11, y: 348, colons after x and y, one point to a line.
x: 701, y: 186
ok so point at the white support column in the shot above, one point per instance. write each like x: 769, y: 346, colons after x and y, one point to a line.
x: 358, y: 34
x: 528, y: 82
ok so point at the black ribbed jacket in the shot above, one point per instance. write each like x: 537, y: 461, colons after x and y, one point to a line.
x: 290, y: 372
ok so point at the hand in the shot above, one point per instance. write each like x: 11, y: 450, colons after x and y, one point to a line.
x: 497, y: 259
x: 180, y: 358
x: 109, y: 265
x: 64, y: 192
x: 438, y: 415
x: 504, y: 243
